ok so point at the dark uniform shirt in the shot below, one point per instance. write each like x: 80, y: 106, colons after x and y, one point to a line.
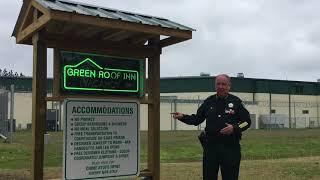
x: 217, y: 112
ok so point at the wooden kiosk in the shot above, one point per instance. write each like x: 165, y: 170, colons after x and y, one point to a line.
x: 71, y: 26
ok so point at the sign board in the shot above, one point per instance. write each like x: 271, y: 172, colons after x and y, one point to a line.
x: 101, y: 139
x: 98, y: 74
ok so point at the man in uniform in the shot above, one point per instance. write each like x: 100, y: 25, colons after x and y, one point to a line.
x: 226, y: 119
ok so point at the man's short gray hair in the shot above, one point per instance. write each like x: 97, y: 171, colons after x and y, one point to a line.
x: 226, y: 76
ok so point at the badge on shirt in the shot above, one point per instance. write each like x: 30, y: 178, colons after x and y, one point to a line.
x: 230, y: 111
x: 230, y: 105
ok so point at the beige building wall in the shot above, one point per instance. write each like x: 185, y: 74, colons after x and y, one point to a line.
x: 143, y: 117
x: 23, y: 109
x: 244, y: 96
x: 280, y: 103
x: 186, y: 108
x: 194, y: 95
x: 166, y: 120
x: 204, y: 95
x: 261, y: 96
x: 253, y: 109
x: 303, y: 112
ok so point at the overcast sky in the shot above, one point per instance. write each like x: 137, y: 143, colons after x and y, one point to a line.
x: 270, y: 39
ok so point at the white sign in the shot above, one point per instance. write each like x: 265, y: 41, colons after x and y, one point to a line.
x: 101, y: 139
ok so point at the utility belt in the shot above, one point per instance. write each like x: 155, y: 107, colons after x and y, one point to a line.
x: 207, y: 139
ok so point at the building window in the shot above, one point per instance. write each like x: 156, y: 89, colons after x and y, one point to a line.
x: 273, y: 111
x: 305, y: 111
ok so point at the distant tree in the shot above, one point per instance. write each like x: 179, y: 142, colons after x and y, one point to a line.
x: 10, y: 73
x: 5, y: 72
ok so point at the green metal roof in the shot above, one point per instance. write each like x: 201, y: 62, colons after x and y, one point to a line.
x: 21, y: 84
x: 199, y: 84
x: 63, y: 17
x: 248, y: 85
x: 90, y: 10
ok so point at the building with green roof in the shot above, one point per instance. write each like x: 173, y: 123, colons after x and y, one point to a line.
x: 272, y: 103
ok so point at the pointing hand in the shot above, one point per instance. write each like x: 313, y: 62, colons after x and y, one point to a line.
x: 177, y: 115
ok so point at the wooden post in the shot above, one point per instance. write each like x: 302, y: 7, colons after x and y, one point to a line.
x: 39, y: 93
x: 56, y: 73
x: 154, y: 110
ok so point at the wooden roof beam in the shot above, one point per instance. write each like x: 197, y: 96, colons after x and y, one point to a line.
x: 103, y: 47
x: 40, y: 8
x: 32, y: 28
x: 141, y: 39
x: 90, y: 32
x: 117, y: 24
x: 28, y: 21
x: 62, y: 28
x: 170, y: 40
x: 28, y: 18
x: 118, y: 36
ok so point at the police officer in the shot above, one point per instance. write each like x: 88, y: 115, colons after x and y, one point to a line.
x: 226, y: 118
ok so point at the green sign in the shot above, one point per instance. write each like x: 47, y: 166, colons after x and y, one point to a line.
x: 96, y: 74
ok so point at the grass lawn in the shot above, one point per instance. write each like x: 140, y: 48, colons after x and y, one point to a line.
x: 306, y: 168
x: 277, y: 153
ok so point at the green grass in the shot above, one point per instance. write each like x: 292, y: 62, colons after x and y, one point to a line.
x: 306, y: 168
x: 275, y: 144
x: 179, y: 146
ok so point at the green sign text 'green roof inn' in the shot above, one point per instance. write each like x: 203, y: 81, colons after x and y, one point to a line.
x: 104, y: 74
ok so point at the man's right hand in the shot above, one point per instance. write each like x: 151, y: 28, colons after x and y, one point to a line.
x: 177, y: 115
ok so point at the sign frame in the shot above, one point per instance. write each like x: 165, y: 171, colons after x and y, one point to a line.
x: 65, y: 135
x: 116, y: 65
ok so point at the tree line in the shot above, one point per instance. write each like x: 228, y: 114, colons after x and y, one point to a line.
x: 10, y: 73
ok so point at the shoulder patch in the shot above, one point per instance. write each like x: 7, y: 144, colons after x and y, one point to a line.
x: 243, y: 104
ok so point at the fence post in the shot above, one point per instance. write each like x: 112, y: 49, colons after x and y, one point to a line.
x: 171, y: 118
x: 175, y: 110
x: 294, y: 114
x: 4, y: 99
x: 290, y: 120
x: 11, y: 111
x: 318, y: 125
x: 270, y: 107
x: 199, y: 126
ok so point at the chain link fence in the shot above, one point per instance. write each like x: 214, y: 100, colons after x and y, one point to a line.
x: 264, y: 115
x: 4, y: 105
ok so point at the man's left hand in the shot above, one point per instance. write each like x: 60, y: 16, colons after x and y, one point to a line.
x: 227, y: 130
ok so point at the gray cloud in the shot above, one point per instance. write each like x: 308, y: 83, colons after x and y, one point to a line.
x: 275, y: 39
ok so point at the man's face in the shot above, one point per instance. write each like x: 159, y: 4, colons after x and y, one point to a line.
x: 222, y: 86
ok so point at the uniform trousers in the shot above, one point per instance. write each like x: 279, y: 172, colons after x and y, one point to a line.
x: 227, y: 156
